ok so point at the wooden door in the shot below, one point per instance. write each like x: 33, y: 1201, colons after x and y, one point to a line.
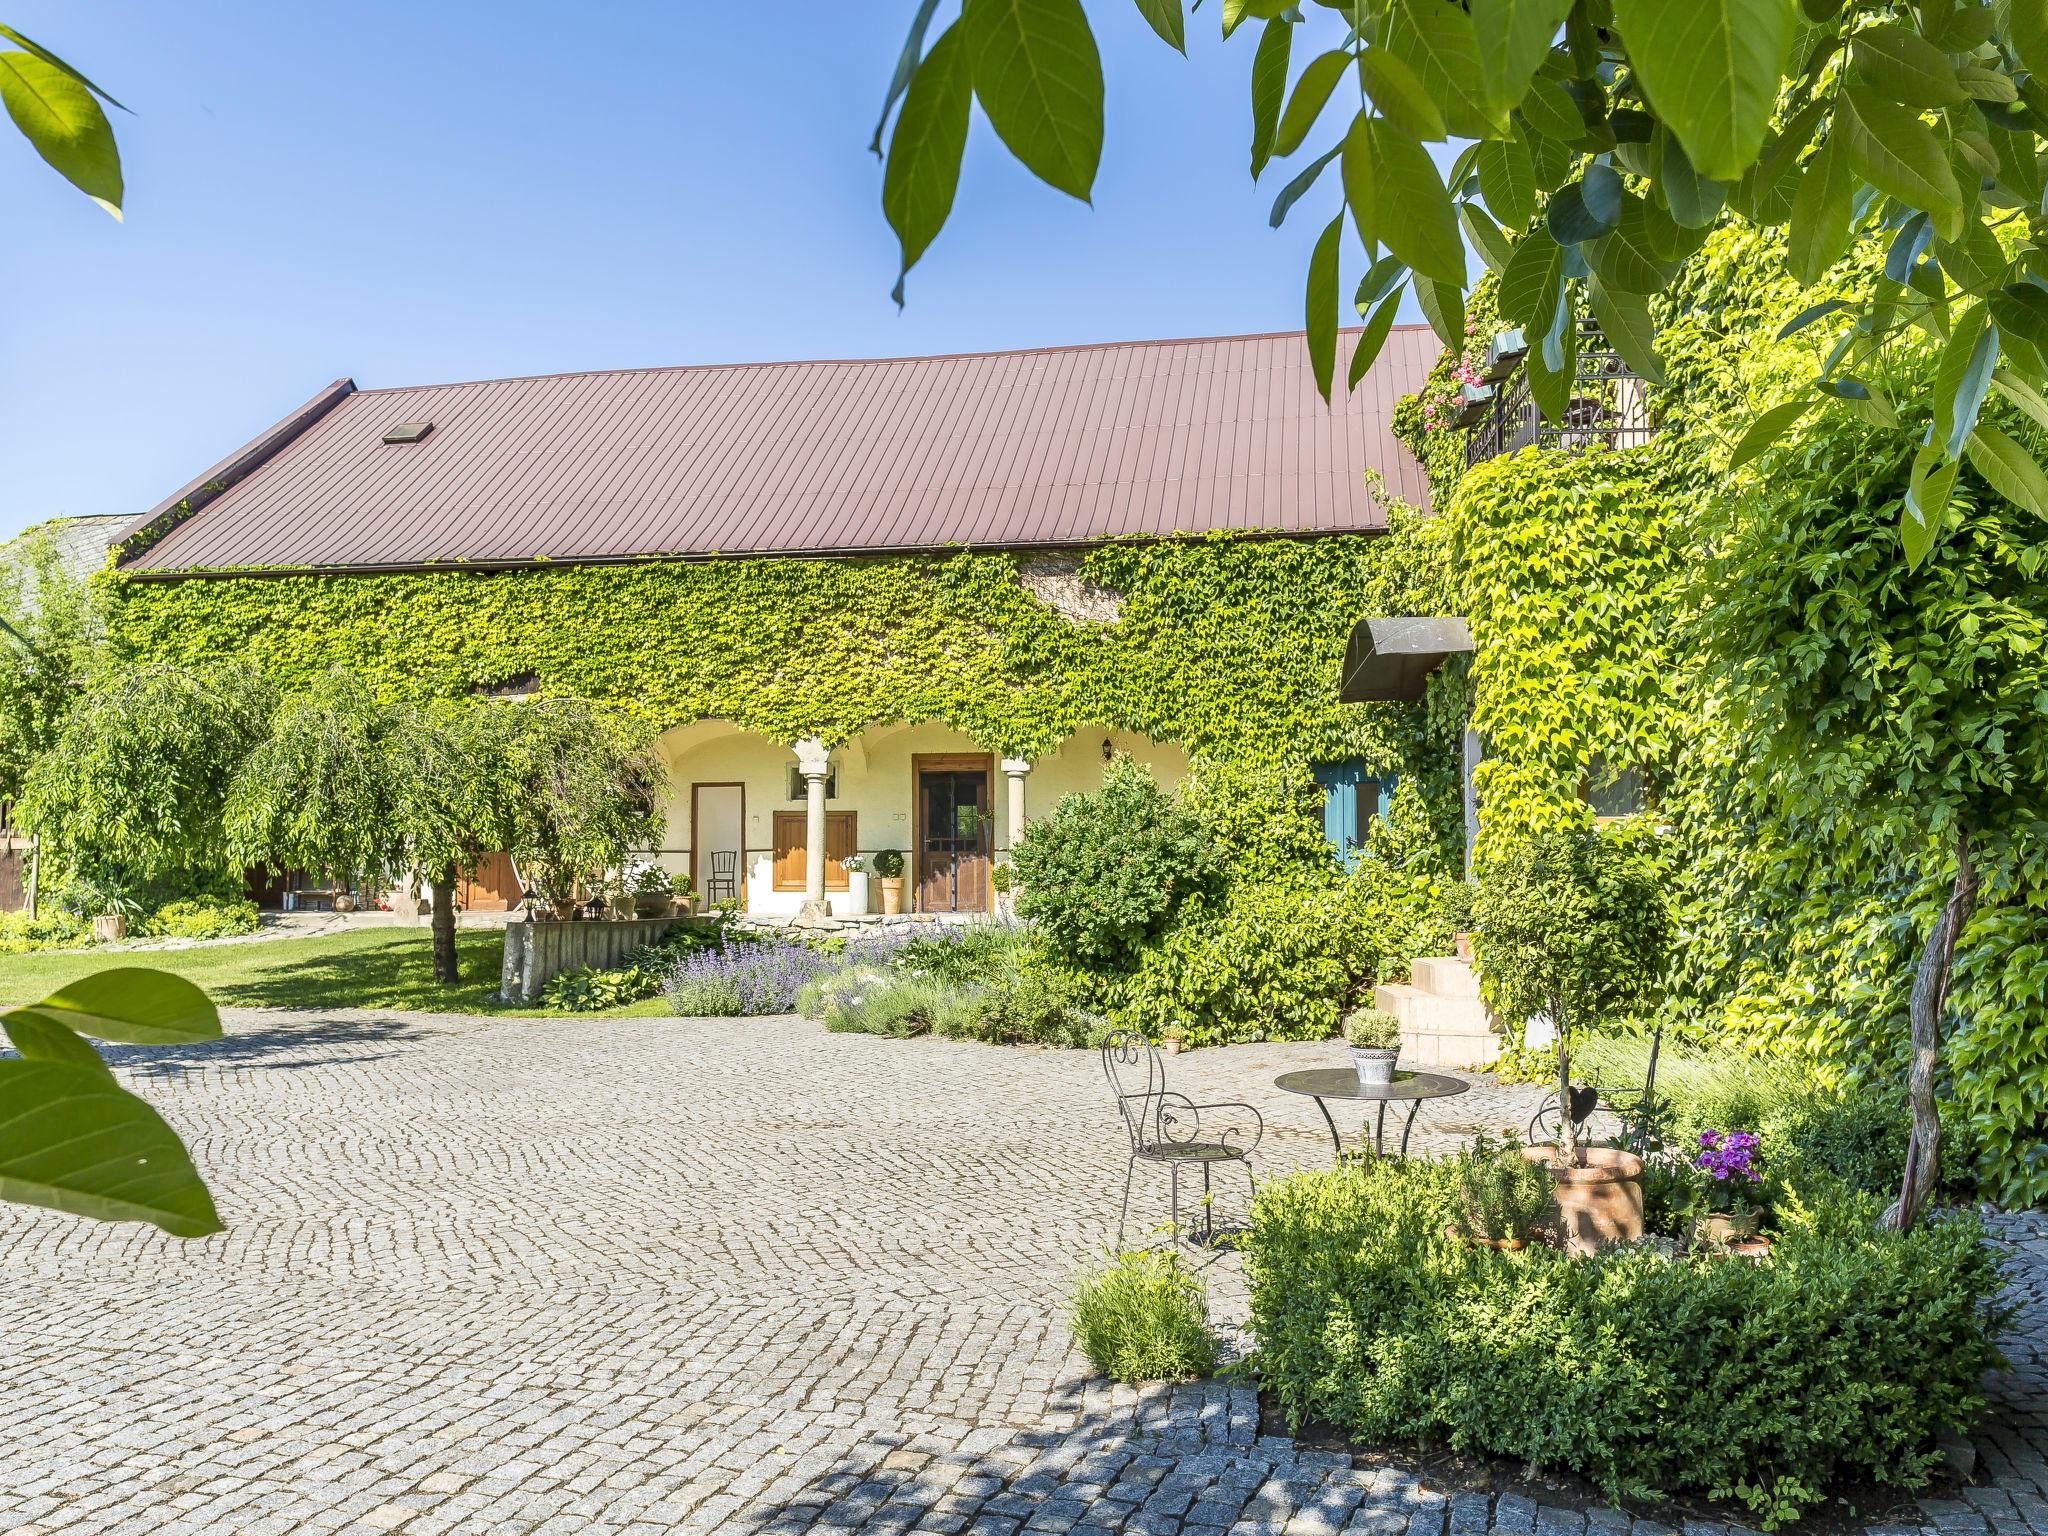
x: 841, y: 839
x: 955, y: 832
x: 494, y: 887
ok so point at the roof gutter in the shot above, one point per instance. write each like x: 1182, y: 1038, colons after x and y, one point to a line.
x: 239, y: 465
x: 703, y: 557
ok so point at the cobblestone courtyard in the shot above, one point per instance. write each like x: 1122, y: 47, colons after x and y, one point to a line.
x: 647, y: 1275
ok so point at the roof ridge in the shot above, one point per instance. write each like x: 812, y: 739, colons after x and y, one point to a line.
x: 849, y: 362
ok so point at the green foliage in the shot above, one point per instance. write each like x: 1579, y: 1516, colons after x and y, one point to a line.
x: 1570, y: 572
x: 1142, y: 1317
x: 53, y: 624
x: 1372, y: 1029
x: 988, y: 981
x: 133, y: 787
x: 1609, y: 143
x: 53, y: 927
x: 322, y: 789
x: 1574, y: 923
x: 200, y: 919
x: 1837, y: 1360
x: 55, y: 108
x: 71, y: 1138
x: 1500, y: 1195
x: 1104, y: 874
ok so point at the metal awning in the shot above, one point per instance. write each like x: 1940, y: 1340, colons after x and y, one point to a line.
x: 1392, y: 658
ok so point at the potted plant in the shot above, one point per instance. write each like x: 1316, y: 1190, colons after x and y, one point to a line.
x: 653, y: 891
x: 109, y: 903
x: 1173, y: 1039
x: 1375, y: 1040
x: 1457, y: 914
x: 1732, y: 1189
x: 1502, y: 1197
x: 1578, y: 930
x: 888, y: 867
x: 683, y: 896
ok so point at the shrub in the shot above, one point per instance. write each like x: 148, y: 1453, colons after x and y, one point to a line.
x: 1853, y: 1131
x: 1275, y: 962
x: 1141, y: 1317
x: 1839, y: 1357
x: 744, y: 976
x: 201, y: 920
x: 979, y: 981
x: 51, y: 928
x: 1105, y: 873
x: 1501, y: 1196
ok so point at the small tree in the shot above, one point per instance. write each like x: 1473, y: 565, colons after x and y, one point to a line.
x: 1574, y: 924
x: 321, y: 790
x: 575, y: 788
x: 1105, y: 873
x: 47, y: 644
x: 133, y: 788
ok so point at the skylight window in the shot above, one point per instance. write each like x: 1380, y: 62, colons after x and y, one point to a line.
x: 408, y: 431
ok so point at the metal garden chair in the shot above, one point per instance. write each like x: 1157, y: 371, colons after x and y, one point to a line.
x: 1167, y: 1127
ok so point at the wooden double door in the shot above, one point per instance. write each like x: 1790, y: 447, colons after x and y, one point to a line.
x: 955, y: 837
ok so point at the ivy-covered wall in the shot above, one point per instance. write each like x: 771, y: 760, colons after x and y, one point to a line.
x: 1814, y: 716
x: 1228, y: 645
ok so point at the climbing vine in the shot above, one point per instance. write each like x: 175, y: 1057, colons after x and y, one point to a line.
x: 1229, y: 646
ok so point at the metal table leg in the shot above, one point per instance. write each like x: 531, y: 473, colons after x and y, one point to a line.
x: 1414, y: 1108
x: 1379, y: 1131
x: 1336, y: 1141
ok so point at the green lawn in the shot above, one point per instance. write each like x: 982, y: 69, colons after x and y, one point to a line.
x: 370, y: 968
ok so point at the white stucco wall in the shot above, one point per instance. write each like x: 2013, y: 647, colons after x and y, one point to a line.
x: 875, y: 781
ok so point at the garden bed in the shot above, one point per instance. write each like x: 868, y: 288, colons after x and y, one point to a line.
x: 1851, y: 1509
x: 1778, y: 1386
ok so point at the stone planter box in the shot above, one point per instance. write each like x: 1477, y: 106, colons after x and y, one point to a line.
x: 537, y: 952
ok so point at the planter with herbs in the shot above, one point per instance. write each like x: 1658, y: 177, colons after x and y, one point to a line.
x: 1375, y: 1040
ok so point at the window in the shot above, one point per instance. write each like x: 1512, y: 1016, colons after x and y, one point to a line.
x: 1613, y: 793
x: 1354, y: 796
x: 796, y: 784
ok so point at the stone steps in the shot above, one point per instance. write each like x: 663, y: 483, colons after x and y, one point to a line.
x: 1443, y: 1021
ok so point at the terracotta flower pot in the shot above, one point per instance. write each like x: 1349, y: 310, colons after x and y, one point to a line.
x: 109, y: 926
x: 1463, y: 944
x: 892, y: 895
x: 1719, y: 1229
x: 1598, y: 1200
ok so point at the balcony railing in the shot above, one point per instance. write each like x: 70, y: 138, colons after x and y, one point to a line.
x: 1609, y: 404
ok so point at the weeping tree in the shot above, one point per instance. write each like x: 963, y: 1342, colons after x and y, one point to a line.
x: 132, y: 792
x: 321, y: 790
x: 579, y: 788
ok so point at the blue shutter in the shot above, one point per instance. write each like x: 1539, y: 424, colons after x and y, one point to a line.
x: 1340, y: 783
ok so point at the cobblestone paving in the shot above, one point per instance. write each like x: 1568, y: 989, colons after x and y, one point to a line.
x: 640, y: 1276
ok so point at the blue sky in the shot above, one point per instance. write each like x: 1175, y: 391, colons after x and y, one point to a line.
x: 412, y: 193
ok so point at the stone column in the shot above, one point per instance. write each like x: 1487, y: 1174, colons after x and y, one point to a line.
x: 1015, y: 768
x: 814, y: 762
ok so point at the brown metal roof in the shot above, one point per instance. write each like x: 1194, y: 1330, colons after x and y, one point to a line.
x: 1054, y: 446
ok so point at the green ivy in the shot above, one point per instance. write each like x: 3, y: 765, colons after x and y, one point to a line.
x: 1227, y: 645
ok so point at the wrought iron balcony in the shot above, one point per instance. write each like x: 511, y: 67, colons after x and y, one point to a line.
x: 1609, y: 404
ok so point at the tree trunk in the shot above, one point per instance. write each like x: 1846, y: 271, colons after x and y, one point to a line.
x: 1930, y: 998
x: 1567, y: 1133
x: 444, y: 925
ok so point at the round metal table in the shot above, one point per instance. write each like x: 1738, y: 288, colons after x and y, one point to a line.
x: 1410, y: 1088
